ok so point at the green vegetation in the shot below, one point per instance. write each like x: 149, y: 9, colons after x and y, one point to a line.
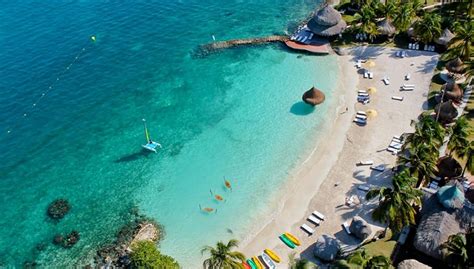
x: 222, y: 256
x: 458, y: 251
x: 146, y: 255
x: 396, y: 205
x: 428, y: 28
x: 361, y: 259
x: 382, y: 247
x: 295, y: 263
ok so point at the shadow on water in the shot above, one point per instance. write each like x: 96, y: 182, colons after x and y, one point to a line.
x: 301, y: 109
x: 134, y: 156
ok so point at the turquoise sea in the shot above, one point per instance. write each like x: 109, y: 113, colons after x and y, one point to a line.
x: 236, y: 113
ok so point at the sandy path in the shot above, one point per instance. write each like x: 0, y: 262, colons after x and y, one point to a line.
x: 346, y: 144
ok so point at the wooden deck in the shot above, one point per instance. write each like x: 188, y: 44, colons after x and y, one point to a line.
x: 313, y: 48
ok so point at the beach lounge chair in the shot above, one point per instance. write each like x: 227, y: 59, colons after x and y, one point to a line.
x: 417, y: 46
x: 395, y: 145
x: 410, y: 45
x: 346, y: 227
x: 404, y: 54
x: 363, y: 187
x: 371, y: 75
x: 307, y: 229
x: 314, y: 220
x: 361, y: 91
x: 397, y: 137
x: 398, y: 54
x: 362, y: 117
x: 311, y: 36
x: 366, y: 74
x: 407, y: 76
x: 360, y: 121
x: 394, y: 151
x: 378, y: 168
x: 386, y: 81
x: 398, y: 98
x: 367, y: 162
x: 408, y: 85
x: 361, y: 113
x: 318, y: 215
x: 304, y: 39
x: 362, y: 94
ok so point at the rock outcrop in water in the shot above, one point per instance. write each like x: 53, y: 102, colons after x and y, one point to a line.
x: 67, y: 241
x: 58, y: 209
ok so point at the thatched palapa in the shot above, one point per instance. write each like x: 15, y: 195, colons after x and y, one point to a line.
x: 360, y: 228
x: 313, y: 96
x: 445, y: 37
x: 452, y: 91
x: 327, y: 22
x: 326, y: 248
x: 385, y: 27
x: 455, y: 66
x: 412, y: 264
x: 448, y: 167
x: 446, y: 112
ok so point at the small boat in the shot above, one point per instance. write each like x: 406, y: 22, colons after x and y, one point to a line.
x: 287, y: 241
x: 293, y: 239
x: 251, y: 263
x: 150, y: 145
x: 227, y: 184
x: 268, y: 262
x: 258, y: 263
x: 272, y: 255
x: 246, y: 265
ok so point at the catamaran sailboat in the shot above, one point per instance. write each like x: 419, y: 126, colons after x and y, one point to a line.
x: 150, y: 145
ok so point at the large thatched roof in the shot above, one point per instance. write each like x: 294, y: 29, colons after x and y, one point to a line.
x: 412, y: 264
x: 327, y: 22
x: 436, y: 225
x: 385, y: 27
x: 447, y: 112
x: 360, y: 228
x: 313, y: 96
x: 455, y: 66
x: 326, y: 248
x: 448, y: 167
x: 445, y: 37
x: 452, y: 91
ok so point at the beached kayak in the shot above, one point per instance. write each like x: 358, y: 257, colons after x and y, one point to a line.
x: 252, y: 264
x: 293, y: 239
x: 287, y: 241
x: 267, y: 261
x: 246, y: 265
x: 272, y: 255
x: 258, y: 263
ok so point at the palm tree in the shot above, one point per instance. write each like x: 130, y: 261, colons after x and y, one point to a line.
x: 455, y: 251
x: 389, y: 9
x: 458, y: 141
x: 396, y: 204
x: 468, y: 154
x: 421, y: 160
x: 428, y: 28
x: 427, y: 131
x: 366, y: 21
x: 222, y: 257
x: 463, y: 39
x: 365, y: 261
x: 295, y: 263
x: 404, y: 17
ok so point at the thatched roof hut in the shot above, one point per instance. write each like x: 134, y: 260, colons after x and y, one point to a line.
x: 452, y: 91
x: 385, y: 27
x: 445, y: 37
x: 360, y: 228
x: 313, y: 97
x: 455, y: 66
x: 446, y: 112
x: 451, y: 196
x: 412, y: 264
x: 448, y: 167
x: 326, y: 248
x: 436, y: 225
x: 327, y: 21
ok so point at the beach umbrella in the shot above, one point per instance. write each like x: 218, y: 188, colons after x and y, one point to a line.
x: 371, y: 113
x: 452, y: 91
x: 448, y: 167
x: 455, y: 66
x: 313, y: 96
x: 369, y: 63
x: 446, y: 112
x: 371, y: 90
x: 445, y: 37
x: 385, y: 27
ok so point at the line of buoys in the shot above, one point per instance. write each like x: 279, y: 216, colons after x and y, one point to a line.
x: 51, y: 86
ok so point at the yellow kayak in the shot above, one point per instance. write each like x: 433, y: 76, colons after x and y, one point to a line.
x: 293, y: 238
x: 272, y: 255
x: 258, y: 263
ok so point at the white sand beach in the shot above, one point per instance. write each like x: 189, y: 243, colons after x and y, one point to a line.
x: 330, y: 174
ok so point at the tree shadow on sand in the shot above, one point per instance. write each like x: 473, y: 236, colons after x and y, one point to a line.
x: 301, y: 109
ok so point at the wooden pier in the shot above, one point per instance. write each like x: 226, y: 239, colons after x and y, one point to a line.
x: 211, y: 47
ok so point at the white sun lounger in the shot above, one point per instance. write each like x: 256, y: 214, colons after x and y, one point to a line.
x: 395, y: 145
x: 408, y: 85
x: 406, y: 89
x: 361, y: 91
x: 366, y: 162
x: 360, y: 121
x: 396, y: 140
x: 386, y: 81
x: 362, y: 117
x: 378, y: 168
x: 404, y: 54
x: 397, y: 137
x: 346, y: 227
x: 314, y: 220
x: 392, y: 150
x: 366, y: 74
x: 398, y: 98
x: 363, y: 187
x: 307, y: 229
x: 360, y: 112
x: 362, y: 95
x: 410, y: 45
x: 371, y: 75
x: 318, y: 214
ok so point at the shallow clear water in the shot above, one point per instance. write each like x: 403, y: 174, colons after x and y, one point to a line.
x: 236, y: 113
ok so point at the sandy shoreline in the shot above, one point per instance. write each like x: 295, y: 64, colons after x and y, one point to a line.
x: 313, y: 184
